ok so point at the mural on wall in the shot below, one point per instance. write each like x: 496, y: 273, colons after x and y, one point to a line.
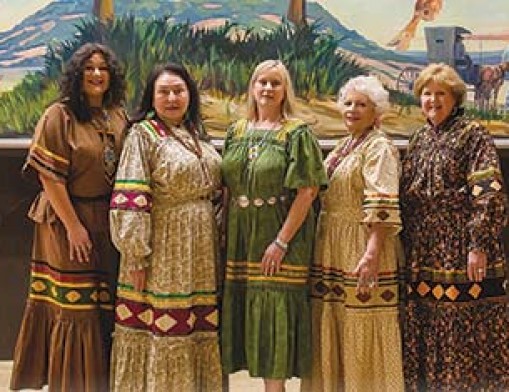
x: 323, y: 43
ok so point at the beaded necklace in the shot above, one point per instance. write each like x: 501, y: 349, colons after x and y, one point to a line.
x: 103, y: 127
x: 254, y: 148
x: 338, y: 157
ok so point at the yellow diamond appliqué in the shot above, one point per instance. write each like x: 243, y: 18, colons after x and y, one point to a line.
x: 73, y: 296
x: 212, y: 318
x: 54, y: 291
x: 438, y: 291
x: 423, y: 289
x: 38, y: 286
x: 475, y: 290
x: 476, y: 190
x: 147, y: 316
x: 104, y: 296
x: 191, y: 320
x: 123, y: 312
x: 120, y: 199
x: 141, y: 201
x: 496, y: 185
x: 94, y: 296
x: 452, y: 293
x: 165, y: 323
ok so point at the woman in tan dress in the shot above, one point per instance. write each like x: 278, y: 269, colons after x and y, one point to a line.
x: 356, y: 336
x: 162, y: 221
x: 65, y: 335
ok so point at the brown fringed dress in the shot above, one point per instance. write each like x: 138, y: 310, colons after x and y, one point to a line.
x: 65, y: 335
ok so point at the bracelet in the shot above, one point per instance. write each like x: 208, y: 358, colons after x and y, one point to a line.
x: 281, y: 244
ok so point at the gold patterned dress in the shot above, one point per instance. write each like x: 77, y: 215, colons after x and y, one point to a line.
x: 166, y: 336
x: 356, y: 338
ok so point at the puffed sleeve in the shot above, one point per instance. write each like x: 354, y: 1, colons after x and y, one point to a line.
x: 50, y: 151
x: 230, y: 131
x: 380, y: 170
x: 485, y: 184
x: 305, y: 168
x: 131, y: 201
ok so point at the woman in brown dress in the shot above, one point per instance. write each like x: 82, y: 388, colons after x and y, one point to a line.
x: 456, y: 331
x: 65, y: 335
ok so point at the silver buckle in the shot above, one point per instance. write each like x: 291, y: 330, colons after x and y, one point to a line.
x: 272, y: 200
x: 258, y: 202
x: 243, y: 201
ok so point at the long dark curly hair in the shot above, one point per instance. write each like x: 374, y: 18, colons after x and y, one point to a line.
x: 192, y: 118
x: 71, y: 82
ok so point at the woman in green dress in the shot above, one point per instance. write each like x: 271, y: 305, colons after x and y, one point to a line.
x: 272, y: 169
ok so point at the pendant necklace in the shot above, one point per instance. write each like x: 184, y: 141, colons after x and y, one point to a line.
x: 254, y: 148
x: 193, y: 148
x: 108, y: 139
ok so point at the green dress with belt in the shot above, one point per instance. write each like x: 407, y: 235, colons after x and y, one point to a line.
x: 265, y: 325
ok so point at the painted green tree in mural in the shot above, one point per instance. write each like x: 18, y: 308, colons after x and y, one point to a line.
x: 221, y: 66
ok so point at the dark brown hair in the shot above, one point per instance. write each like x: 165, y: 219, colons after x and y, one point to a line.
x: 71, y: 83
x: 192, y: 118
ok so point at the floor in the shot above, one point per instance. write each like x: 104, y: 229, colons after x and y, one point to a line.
x: 239, y: 382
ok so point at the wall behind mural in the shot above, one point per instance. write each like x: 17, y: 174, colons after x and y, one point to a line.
x: 323, y: 43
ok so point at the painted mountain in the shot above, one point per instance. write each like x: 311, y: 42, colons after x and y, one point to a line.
x: 25, y: 44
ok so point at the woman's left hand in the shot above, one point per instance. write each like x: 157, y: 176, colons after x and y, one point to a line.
x: 476, y: 266
x: 272, y: 259
x: 367, y: 273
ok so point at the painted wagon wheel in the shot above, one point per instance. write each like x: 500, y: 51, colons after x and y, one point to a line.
x: 406, y: 78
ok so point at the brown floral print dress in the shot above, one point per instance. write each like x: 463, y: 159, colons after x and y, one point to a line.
x: 456, y: 332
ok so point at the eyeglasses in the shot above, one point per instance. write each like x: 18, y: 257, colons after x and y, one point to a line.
x: 89, y: 69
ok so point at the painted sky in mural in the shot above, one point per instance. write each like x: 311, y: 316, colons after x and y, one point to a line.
x: 377, y: 20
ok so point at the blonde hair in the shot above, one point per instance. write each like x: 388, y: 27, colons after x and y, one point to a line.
x: 371, y: 87
x: 442, y: 74
x: 288, y: 104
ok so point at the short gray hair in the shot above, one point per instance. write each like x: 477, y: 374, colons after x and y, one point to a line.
x: 369, y: 86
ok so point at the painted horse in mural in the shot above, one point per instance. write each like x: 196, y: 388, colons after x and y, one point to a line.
x: 491, y: 78
x: 426, y: 10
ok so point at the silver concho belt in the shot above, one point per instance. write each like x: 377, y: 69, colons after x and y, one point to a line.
x: 243, y: 201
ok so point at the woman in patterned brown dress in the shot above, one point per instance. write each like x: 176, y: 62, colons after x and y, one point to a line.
x: 65, y: 336
x: 456, y: 330
x: 163, y: 223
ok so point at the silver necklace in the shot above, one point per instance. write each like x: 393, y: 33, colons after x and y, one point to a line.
x: 254, y: 148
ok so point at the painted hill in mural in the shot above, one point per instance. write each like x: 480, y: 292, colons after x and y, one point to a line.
x: 25, y: 44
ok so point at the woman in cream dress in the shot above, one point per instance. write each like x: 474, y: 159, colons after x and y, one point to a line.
x: 162, y: 222
x: 356, y: 336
